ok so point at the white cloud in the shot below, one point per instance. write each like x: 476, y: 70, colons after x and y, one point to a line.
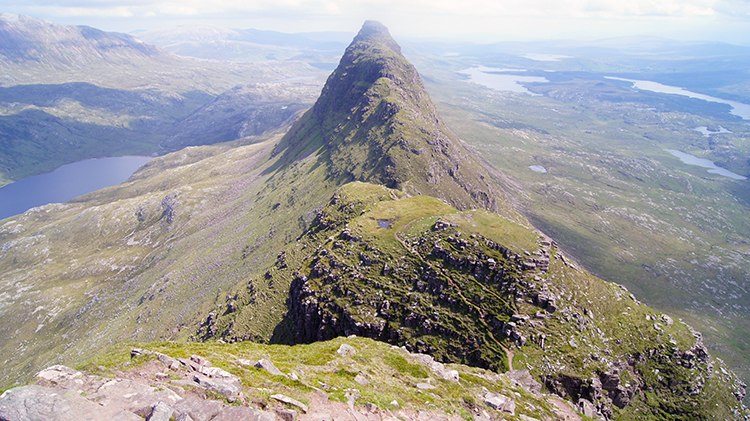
x: 498, y: 19
x: 118, y: 11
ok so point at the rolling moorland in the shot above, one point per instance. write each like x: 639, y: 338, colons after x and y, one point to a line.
x: 238, y: 194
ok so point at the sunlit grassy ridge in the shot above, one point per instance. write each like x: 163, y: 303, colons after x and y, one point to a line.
x: 415, y: 272
x: 270, y: 242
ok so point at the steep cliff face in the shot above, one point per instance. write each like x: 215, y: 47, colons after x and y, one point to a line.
x: 375, y: 122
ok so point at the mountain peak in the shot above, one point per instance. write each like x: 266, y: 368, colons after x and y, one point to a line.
x: 375, y: 32
x: 374, y: 122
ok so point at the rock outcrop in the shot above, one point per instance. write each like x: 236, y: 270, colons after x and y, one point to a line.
x: 152, y: 387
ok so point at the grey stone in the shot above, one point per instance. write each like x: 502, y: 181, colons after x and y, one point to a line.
x: 290, y: 401
x: 198, y: 409
x: 361, y: 380
x: 587, y: 408
x: 168, y: 361
x: 351, y: 399
x: 200, y: 360
x: 437, y: 367
x: 269, y: 367
x: 217, y: 373
x: 129, y: 395
x: 242, y: 413
x: 524, y: 379
x: 500, y: 402
x: 190, y: 364
x: 36, y: 403
x: 226, y: 389
x: 249, y: 363
x: 286, y: 414
x: 60, y: 375
x: 135, y: 352
x: 346, y: 349
x: 161, y: 412
x: 184, y: 417
x: 187, y: 383
x: 425, y: 386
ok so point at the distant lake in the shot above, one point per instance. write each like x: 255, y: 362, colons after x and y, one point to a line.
x: 705, y: 163
x: 494, y: 79
x: 738, y: 108
x: 66, y: 182
x: 708, y: 133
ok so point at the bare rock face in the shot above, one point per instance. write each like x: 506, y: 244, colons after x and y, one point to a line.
x: 31, y: 403
x: 65, y: 394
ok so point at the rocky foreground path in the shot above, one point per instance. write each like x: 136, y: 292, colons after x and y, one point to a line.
x: 164, y: 388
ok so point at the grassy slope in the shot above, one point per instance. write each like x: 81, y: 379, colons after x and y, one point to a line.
x: 149, y: 258
x: 598, y: 324
x: 676, y: 235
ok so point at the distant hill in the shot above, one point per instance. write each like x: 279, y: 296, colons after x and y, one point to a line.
x: 29, y: 39
x: 69, y: 93
x: 243, y: 45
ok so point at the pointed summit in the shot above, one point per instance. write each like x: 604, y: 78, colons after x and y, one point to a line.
x: 375, y: 122
x: 373, y: 31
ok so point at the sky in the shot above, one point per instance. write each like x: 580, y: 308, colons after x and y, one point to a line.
x: 469, y: 20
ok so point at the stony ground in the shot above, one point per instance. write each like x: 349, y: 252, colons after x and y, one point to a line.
x: 158, y: 387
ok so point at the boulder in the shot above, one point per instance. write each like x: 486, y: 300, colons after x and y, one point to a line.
x: 362, y: 380
x: 346, y: 350
x: 129, y: 395
x: 290, y: 401
x: 269, y: 367
x: 198, y: 409
x: 60, y: 375
x: 227, y: 389
x: 500, y: 402
x: 161, y: 412
x: 286, y: 414
x: 33, y: 403
x: 168, y: 361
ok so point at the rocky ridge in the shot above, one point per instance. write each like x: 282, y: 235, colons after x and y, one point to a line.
x: 414, y: 272
x: 159, y: 387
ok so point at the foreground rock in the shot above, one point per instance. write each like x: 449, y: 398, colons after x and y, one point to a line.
x: 157, y: 387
